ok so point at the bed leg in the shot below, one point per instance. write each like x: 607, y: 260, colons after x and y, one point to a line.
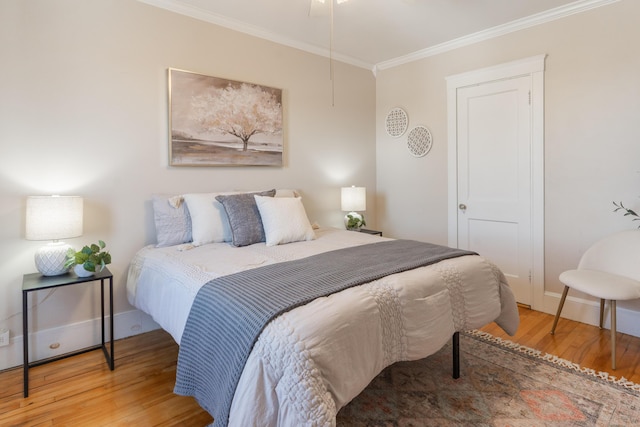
x: 456, y: 355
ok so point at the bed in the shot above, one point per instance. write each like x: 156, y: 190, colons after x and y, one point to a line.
x: 312, y: 360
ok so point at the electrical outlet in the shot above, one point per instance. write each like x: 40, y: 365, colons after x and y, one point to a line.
x: 4, y: 337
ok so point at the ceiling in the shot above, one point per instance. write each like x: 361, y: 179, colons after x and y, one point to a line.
x: 377, y: 33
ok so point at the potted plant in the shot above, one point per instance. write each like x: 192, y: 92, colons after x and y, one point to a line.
x: 628, y: 212
x: 355, y: 221
x: 88, y: 260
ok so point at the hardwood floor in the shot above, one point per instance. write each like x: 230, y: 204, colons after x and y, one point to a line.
x: 586, y: 345
x: 82, y: 391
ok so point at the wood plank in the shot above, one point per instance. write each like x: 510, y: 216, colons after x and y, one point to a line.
x: 586, y: 345
x: 81, y: 390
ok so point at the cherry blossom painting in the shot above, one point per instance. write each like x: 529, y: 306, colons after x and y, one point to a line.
x: 220, y: 122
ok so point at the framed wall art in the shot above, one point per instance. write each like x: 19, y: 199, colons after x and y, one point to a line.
x: 220, y: 122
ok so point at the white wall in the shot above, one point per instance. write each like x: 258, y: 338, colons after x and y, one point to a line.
x: 83, y: 111
x: 592, y: 151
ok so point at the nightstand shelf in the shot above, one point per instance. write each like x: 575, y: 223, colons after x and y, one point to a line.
x: 36, y: 282
x: 374, y: 232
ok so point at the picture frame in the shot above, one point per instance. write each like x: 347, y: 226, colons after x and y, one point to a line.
x: 221, y: 122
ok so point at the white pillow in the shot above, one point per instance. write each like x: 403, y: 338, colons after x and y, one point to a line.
x: 286, y: 192
x: 284, y: 220
x: 209, y: 222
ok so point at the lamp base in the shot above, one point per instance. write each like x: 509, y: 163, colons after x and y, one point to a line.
x: 354, y: 221
x: 50, y: 259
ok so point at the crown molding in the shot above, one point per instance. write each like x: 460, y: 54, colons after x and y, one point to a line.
x: 223, y: 21
x: 576, y: 7
x: 510, y: 27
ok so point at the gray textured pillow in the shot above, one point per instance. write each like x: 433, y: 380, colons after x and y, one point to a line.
x: 244, y: 217
x: 173, y: 225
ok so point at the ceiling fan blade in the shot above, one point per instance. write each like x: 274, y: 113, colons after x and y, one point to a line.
x: 321, y: 7
x: 318, y: 8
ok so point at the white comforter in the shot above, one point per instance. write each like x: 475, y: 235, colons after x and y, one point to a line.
x: 311, y: 361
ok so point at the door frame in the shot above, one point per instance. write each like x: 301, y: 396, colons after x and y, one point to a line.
x: 533, y: 67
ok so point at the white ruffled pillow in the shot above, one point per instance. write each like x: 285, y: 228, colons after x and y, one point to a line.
x: 286, y: 192
x: 284, y: 220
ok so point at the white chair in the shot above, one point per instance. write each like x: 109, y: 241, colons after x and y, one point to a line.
x: 609, y: 270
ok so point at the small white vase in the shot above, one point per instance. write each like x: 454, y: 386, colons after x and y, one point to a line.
x: 81, y: 272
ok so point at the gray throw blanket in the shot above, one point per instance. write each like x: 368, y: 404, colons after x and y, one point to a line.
x: 230, y: 312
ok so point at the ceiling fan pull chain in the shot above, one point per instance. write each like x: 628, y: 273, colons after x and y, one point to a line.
x: 331, y: 54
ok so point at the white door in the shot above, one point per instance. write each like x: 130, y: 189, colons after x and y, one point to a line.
x: 494, y: 177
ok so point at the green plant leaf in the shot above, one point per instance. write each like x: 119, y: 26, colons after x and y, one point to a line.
x: 628, y: 212
x: 89, y: 257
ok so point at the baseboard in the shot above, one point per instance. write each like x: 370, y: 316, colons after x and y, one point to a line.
x: 588, y: 311
x: 65, y: 339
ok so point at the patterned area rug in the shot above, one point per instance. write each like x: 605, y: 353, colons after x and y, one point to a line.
x: 501, y: 384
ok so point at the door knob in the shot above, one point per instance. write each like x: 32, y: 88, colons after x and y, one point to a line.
x: 462, y: 206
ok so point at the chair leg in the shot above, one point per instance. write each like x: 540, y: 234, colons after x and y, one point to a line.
x: 601, y: 312
x: 555, y: 321
x: 613, y: 335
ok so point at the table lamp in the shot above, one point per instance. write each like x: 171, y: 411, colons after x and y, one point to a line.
x: 354, y: 199
x: 53, y: 218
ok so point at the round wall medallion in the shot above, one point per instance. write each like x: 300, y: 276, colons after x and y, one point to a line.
x: 396, y: 122
x: 419, y: 141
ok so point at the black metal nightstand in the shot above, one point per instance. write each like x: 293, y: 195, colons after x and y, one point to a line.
x: 374, y: 232
x: 36, y: 282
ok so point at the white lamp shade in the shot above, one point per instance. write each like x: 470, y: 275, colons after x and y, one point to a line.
x: 354, y: 199
x: 53, y: 217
